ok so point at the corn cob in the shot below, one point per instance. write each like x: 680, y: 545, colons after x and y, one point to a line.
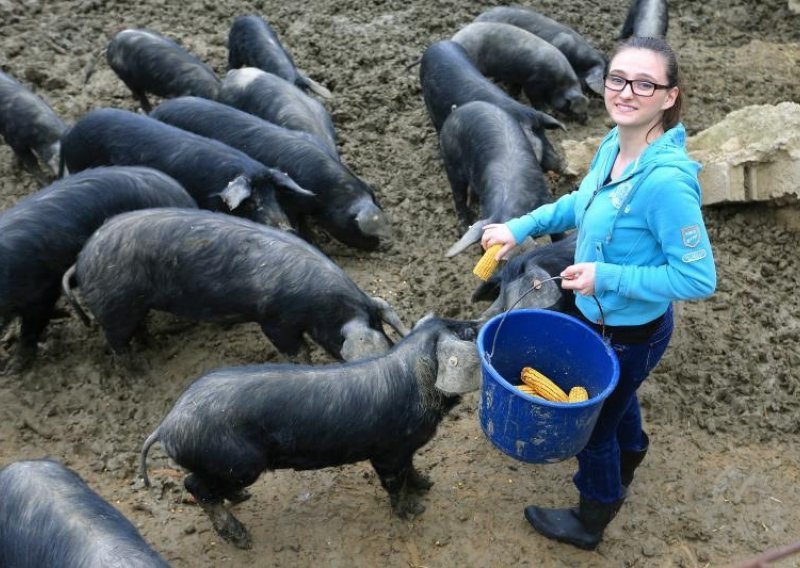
x: 528, y: 390
x: 487, y: 264
x: 578, y: 394
x: 543, y: 386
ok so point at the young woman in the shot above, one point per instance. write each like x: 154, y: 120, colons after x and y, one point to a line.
x: 641, y: 244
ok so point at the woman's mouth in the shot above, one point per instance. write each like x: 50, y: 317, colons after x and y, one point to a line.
x: 624, y: 108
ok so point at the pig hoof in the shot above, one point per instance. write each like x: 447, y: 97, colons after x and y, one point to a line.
x: 235, y: 533
x: 227, y: 526
x: 239, y: 496
x: 17, y: 365
x: 409, y: 509
x: 129, y: 365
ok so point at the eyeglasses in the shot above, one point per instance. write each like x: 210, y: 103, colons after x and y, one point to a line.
x: 638, y: 87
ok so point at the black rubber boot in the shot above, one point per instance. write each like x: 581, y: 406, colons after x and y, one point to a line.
x: 581, y: 526
x: 629, y: 461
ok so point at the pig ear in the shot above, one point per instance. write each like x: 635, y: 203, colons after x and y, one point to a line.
x: 548, y: 122
x: 237, y: 191
x: 536, y: 144
x: 594, y: 79
x: 282, y: 181
x: 315, y: 87
x: 548, y: 294
x: 427, y: 317
x: 390, y: 316
x: 458, y: 369
x: 472, y: 236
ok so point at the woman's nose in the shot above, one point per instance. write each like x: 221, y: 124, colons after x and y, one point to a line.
x: 629, y: 88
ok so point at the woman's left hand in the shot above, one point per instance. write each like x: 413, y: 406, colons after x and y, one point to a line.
x: 579, y: 277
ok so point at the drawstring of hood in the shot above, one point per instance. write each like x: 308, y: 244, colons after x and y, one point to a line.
x: 671, y: 142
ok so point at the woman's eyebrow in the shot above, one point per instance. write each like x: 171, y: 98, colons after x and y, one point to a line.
x: 639, y: 76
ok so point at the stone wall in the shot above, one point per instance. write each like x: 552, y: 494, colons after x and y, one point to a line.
x: 751, y: 155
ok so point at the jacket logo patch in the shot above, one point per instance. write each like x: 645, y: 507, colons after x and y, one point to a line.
x: 690, y: 236
x: 693, y: 256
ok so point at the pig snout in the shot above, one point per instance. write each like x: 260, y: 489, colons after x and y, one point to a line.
x: 577, y: 103
x: 361, y: 341
x: 372, y: 221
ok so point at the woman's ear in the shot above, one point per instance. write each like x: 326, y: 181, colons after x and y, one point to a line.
x: 672, y: 96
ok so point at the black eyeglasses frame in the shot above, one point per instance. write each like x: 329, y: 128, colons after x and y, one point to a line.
x: 630, y: 82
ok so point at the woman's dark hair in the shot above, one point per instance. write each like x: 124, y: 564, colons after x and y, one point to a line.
x: 672, y: 115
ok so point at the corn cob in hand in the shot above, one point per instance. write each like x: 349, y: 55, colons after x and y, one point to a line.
x: 487, y: 264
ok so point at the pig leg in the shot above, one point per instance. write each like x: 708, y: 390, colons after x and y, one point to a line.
x: 27, y: 160
x: 143, y: 102
x: 141, y: 97
x: 418, y: 481
x: 459, y: 183
x: 34, y: 320
x: 238, y: 496
x: 514, y: 89
x: 227, y: 526
x: 289, y: 342
x: 394, y: 479
x: 119, y: 328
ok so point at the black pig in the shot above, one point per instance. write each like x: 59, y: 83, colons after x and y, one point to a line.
x: 449, y: 80
x: 29, y: 126
x: 276, y: 100
x: 232, y: 424
x: 43, y: 233
x: 253, y: 43
x: 486, y: 155
x: 51, y: 517
x: 519, y: 58
x: 208, y: 266
x: 343, y: 204
x: 646, y: 18
x: 220, y: 178
x: 147, y: 62
x: 589, y: 64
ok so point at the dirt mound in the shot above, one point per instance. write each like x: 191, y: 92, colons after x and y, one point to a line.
x: 719, y: 482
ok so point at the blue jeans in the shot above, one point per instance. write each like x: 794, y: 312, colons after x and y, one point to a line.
x: 619, y: 426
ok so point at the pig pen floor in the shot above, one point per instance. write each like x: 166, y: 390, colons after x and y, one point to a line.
x: 721, y: 480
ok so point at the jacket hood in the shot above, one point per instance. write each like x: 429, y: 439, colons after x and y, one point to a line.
x: 667, y: 149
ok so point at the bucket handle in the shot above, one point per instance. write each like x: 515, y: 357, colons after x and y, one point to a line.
x: 537, y: 285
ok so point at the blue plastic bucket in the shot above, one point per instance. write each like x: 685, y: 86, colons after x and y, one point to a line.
x: 567, y: 351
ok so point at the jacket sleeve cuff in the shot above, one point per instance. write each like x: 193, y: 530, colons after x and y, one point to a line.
x: 521, y: 227
x: 607, y: 277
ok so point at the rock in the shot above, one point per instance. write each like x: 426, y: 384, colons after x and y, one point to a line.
x: 751, y: 155
x: 794, y: 6
x: 578, y: 155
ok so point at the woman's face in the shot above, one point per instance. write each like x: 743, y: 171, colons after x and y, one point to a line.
x: 628, y: 109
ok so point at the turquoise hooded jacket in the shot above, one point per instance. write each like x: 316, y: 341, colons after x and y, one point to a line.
x: 644, y: 230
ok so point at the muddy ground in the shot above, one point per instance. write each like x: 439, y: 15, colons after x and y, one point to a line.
x: 721, y: 482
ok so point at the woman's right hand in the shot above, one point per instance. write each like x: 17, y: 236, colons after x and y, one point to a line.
x: 498, y: 234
